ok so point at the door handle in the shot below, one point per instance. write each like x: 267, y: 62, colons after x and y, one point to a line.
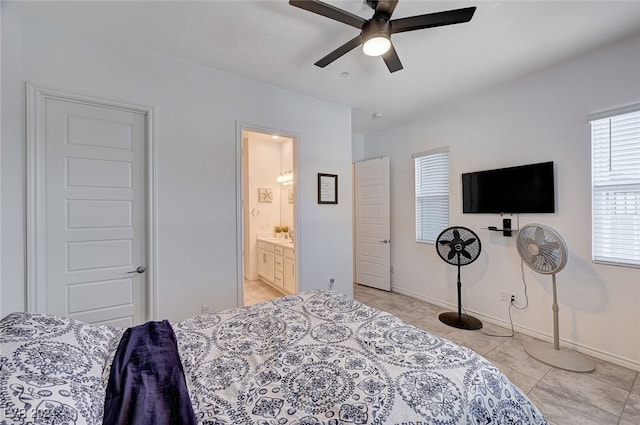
x: 140, y: 269
x: 385, y: 241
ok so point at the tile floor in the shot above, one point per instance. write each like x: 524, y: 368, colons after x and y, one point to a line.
x: 610, y: 395
x: 256, y: 291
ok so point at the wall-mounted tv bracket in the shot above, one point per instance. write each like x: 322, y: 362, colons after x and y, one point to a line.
x: 506, y: 227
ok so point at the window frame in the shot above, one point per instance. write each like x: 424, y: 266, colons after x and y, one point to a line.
x: 615, y: 193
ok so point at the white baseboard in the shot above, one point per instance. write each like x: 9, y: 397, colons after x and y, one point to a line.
x: 590, y: 351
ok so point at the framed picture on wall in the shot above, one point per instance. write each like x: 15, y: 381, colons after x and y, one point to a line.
x: 265, y: 194
x: 327, y: 188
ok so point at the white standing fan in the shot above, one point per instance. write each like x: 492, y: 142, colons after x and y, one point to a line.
x: 544, y: 251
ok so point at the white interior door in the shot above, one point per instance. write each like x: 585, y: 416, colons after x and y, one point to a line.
x: 373, y: 239
x: 93, y: 226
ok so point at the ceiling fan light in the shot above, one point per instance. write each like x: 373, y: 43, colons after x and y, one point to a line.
x: 377, y: 45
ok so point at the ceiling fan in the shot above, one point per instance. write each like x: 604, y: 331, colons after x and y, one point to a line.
x: 375, y: 33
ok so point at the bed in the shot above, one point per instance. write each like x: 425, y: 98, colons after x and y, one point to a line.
x: 318, y: 357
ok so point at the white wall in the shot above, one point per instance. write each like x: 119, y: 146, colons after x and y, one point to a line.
x: 197, y: 111
x: 538, y: 118
x: 357, y: 147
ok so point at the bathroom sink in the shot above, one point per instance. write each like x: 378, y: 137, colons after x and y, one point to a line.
x: 283, y: 241
x: 278, y: 241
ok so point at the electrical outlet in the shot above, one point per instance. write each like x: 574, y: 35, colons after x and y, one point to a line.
x: 508, y: 297
x: 206, y: 308
x: 331, y: 282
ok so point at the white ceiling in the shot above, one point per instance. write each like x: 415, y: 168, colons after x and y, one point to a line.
x: 276, y: 43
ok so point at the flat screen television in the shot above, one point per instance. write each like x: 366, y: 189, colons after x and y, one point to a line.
x: 521, y: 189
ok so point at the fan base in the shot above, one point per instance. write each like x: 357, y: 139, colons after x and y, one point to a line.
x: 460, y: 322
x: 564, y: 358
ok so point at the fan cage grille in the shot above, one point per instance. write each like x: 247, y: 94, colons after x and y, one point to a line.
x: 542, y: 248
x: 458, y: 246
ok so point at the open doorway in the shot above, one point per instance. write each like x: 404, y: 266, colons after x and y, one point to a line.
x: 269, y: 214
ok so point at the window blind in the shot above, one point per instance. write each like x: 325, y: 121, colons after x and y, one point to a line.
x: 432, y: 194
x: 615, y: 182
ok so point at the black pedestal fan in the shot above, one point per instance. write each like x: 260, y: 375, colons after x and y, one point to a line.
x: 459, y: 246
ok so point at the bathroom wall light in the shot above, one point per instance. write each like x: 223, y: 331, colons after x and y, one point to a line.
x: 285, y: 178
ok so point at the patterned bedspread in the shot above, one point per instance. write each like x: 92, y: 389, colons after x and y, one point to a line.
x: 323, y: 358
x: 314, y: 358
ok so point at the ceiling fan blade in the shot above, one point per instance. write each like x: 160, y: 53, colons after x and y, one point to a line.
x: 392, y: 60
x: 345, y: 48
x: 430, y: 20
x: 330, y: 12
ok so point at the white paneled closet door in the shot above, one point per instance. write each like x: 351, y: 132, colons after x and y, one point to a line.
x: 372, y: 223
x: 94, y: 223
